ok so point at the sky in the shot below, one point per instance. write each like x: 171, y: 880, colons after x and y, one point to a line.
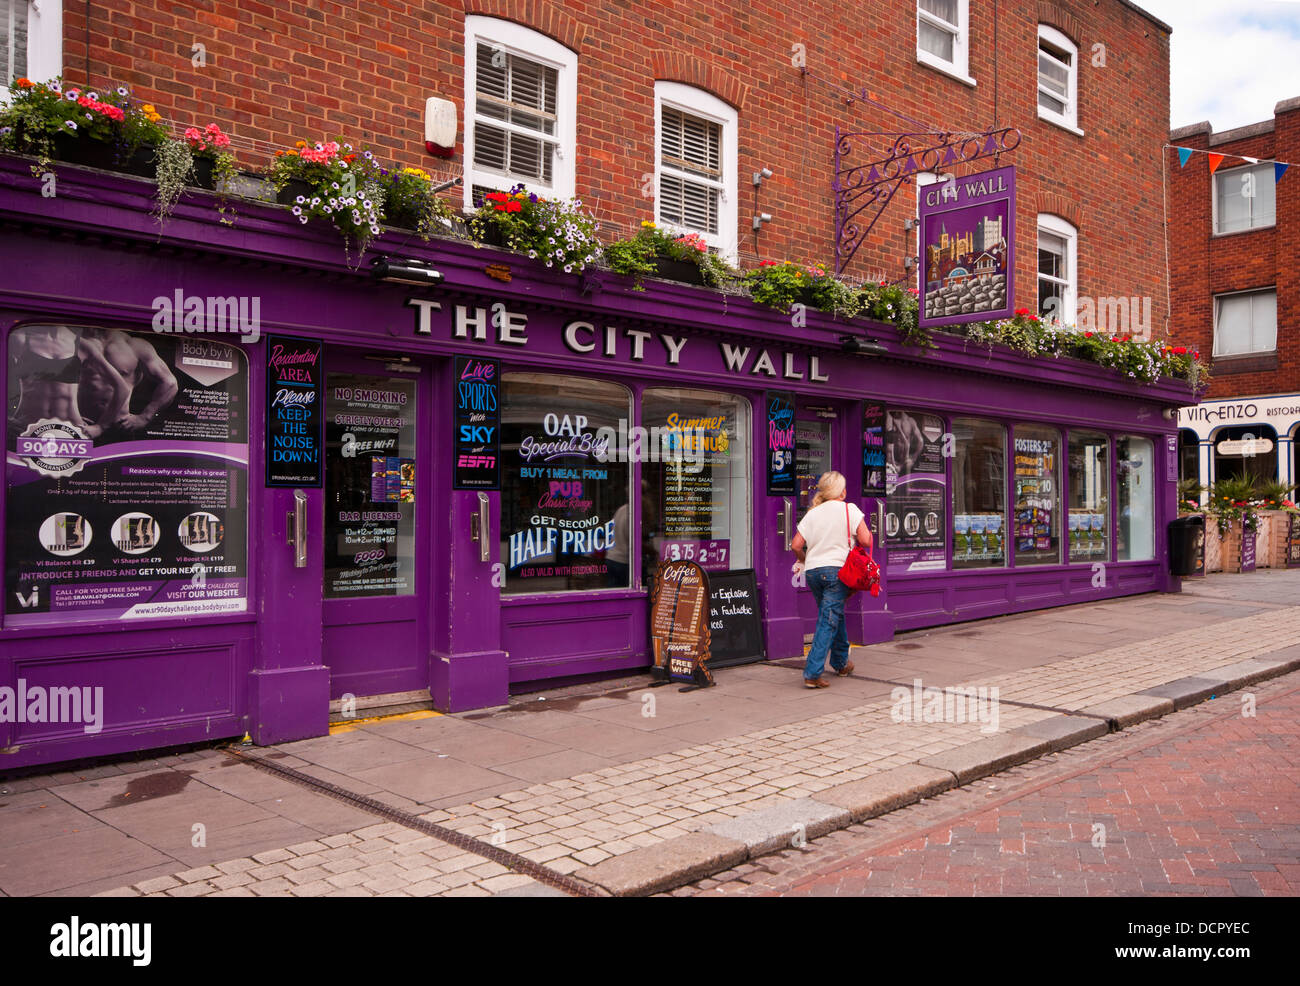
x: 1231, y: 61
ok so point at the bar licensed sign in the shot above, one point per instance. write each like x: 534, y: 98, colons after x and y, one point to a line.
x: 782, y: 478
x: 294, y: 412
x: 679, y: 622
x: 476, y: 446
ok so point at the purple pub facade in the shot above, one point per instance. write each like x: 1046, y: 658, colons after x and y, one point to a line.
x: 1015, y: 484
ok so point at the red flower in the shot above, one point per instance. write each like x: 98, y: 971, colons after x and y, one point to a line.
x: 514, y: 206
x: 1022, y: 311
x: 1087, y: 335
x: 496, y: 196
x: 1180, y: 350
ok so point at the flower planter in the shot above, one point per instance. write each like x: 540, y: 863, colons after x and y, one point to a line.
x: 678, y: 270
x: 402, y: 219
x: 204, y: 176
x: 292, y: 189
x: 79, y: 149
x: 491, y: 236
x: 140, y: 163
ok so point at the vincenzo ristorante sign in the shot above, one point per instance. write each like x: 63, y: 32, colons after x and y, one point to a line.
x: 583, y: 338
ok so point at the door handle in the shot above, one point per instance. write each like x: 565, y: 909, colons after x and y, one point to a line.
x: 783, y: 522
x: 295, y: 528
x: 478, y: 527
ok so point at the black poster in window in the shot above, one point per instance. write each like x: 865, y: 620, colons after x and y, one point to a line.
x: 873, y: 449
x: 476, y: 446
x: 782, y: 479
x: 294, y: 415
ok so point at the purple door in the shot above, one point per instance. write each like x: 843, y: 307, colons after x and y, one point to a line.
x: 377, y: 545
x: 819, y: 442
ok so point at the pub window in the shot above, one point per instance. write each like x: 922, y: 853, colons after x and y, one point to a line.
x: 695, y: 479
x: 916, y: 480
x: 979, y: 494
x: 1057, y: 278
x: 521, y: 107
x: 1058, y: 78
x: 942, y: 36
x: 1245, y: 322
x: 696, y: 164
x: 1244, y: 198
x: 1036, y: 517
x: 1135, y: 482
x: 1089, y: 474
x: 565, y: 514
x: 31, y: 42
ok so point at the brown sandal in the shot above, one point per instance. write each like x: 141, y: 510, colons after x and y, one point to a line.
x: 816, y: 683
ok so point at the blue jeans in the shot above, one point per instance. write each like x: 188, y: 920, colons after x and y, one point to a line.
x: 831, y: 635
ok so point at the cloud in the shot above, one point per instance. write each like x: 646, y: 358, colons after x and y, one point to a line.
x: 1230, y: 63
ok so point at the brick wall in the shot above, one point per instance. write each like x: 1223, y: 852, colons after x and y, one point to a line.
x: 278, y: 71
x: 1205, y: 265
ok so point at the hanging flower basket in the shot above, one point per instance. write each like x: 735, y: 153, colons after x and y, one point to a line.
x: 293, y: 187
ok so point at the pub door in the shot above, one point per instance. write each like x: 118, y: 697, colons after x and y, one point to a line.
x: 378, y: 545
x: 820, y: 444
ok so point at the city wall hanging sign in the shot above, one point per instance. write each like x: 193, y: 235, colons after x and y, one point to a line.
x: 504, y: 327
x: 782, y: 479
x: 295, y: 416
x: 967, y: 248
x: 679, y: 623
x: 476, y: 416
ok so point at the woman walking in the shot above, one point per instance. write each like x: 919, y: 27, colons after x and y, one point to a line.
x: 822, y: 545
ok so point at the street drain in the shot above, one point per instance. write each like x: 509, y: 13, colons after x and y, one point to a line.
x: 510, y: 860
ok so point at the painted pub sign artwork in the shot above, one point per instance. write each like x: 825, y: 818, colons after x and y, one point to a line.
x: 967, y: 245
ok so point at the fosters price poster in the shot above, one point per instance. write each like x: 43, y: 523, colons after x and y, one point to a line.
x: 127, y: 475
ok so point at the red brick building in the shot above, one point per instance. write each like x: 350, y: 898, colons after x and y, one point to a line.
x: 1234, y: 229
x: 1086, y: 84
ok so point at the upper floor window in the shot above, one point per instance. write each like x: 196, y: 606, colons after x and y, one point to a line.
x: 695, y: 168
x: 1244, y: 198
x: 1057, y: 266
x: 1058, y: 78
x: 1245, y: 322
x: 31, y: 41
x: 521, y: 96
x: 942, y: 36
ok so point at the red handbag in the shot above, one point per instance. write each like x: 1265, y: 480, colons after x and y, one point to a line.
x: 859, y: 570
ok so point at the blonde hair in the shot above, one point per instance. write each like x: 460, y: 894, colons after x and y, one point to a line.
x: 830, y: 486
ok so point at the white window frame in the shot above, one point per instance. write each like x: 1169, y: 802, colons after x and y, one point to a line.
x: 1266, y: 170
x: 1047, y: 222
x: 697, y: 102
x: 959, y: 67
x: 44, y: 44
x: 1069, y: 120
x: 1254, y: 292
x: 535, y: 47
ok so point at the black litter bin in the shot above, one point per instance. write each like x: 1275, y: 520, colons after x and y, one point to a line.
x: 1187, y: 545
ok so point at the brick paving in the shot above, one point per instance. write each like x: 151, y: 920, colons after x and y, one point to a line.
x: 1204, y: 802
x: 571, y: 822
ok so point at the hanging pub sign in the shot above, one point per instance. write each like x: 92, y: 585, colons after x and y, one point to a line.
x: 679, y: 622
x: 294, y: 412
x: 782, y: 479
x: 873, y: 449
x: 967, y: 247
x: 476, y: 413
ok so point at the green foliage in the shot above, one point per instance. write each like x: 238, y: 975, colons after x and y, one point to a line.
x: 1189, y: 495
x: 558, y: 233
x: 409, y: 199
x: 173, y: 170
x: 636, y: 255
x: 1232, y: 501
x: 782, y: 285
x: 898, y: 306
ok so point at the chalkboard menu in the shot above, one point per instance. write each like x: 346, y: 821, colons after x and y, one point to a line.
x: 873, y: 449
x: 1248, y: 551
x: 1293, y: 541
x: 781, y: 473
x: 735, y: 624
x: 294, y: 414
x: 679, y: 624
x: 476, y: 446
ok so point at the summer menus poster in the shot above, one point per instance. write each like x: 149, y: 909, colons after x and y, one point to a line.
x: 127, y: 473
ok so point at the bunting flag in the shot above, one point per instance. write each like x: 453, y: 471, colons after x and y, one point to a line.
x: 1185, y: 155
